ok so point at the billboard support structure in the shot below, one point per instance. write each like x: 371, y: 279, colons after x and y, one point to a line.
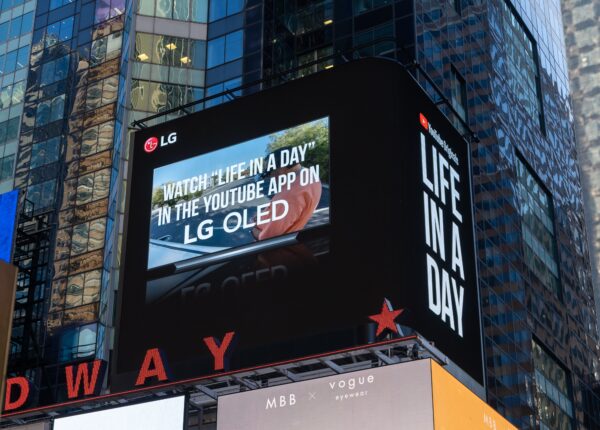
x: 204, y: 392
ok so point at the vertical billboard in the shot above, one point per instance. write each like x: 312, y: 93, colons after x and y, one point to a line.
x: 297, y: 221
x: 166, y: 414
x: 8, y: 218
x: 413, y: 395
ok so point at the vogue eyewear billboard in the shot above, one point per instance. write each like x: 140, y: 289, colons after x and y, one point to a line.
x: 301, y: 220
x: 413, y: 395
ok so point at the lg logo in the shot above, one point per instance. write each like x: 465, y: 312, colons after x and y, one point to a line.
x: 152, y: 143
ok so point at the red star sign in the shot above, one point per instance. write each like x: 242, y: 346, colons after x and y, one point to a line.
x: 386, y: 318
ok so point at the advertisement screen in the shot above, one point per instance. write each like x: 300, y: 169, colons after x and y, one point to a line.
x: 243, y: 194
x: 383, y: 398
x: 168, y: 414
x: 8, y: 216
x: 297, y: 221
x: 414, y: 395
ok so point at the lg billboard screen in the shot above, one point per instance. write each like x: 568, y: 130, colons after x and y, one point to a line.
x: 300, y: 220
x: 246, y: 193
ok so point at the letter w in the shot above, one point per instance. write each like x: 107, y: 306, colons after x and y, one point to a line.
x: 90, y: 383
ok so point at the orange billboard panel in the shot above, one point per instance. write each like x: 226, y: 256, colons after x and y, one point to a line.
x: 455, y: 407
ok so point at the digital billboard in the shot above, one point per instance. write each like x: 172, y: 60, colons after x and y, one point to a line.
x: 311, y: 217
x: 167, y: 414
x: 243, y: 194
x: 8, y: 217
x: 414, y: 395
x: 299, y: 220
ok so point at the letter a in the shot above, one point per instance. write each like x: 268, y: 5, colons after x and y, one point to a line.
x: 153, y: 358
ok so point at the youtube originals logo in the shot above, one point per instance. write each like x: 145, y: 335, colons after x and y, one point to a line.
x: 152, y: 142
x: 424, y: 121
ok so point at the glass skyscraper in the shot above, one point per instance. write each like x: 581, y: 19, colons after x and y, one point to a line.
x: 497, y: 67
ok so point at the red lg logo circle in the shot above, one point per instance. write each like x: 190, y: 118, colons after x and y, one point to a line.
x: 151, y: 144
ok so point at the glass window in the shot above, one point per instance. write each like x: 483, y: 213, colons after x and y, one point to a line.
x: 27, y: 24
x: 15, y: 27
x: 18, y: 92
x: 50, y: 110
x: 146, y: 7
x: 458, y: 95
x: 360, y: 6
x: 61, y: 68
x: 457, y: 4
x: 366, y: 37
x: 42, y: 195
x: 181, y: 10
x: 102, y: 11
x: 140, y: 91
x: 234, y: 45
x: 6, y: 167
x: 537, y: 223
x: 22, y: 57
x: 199, y: 10
x: 218, y: 9
x: 45, y: 152
x: 225, y: 49
x: 12, y: 128
x: 117, y: 7
x: 5, y: 96
x: 219, y: 88
x: 522, y: 65
x: 198, y: 54
x: 164, y: 8
x: 4, y: 31
x: 234, y: 6
x: 553, y: 390
x: 216, y: 52
x: 57, y: 109
x: 10, y: 62
x: 47, y: 74
x: 66, y: 29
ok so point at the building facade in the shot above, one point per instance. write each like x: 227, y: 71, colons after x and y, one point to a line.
x: 497, y: 67
x: 583, y: 57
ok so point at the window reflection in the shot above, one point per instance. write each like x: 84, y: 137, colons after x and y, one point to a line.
x: 552, y: 395
x: 181, y: 10
x: 537, y: 222
x: 42, y: 195
x: 45, y: 152
x: 523, y: 69
x: 224, y: 49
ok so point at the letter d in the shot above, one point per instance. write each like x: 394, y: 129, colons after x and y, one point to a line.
x: 23, y: 385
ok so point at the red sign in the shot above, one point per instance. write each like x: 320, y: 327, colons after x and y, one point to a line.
x: 151, y: 144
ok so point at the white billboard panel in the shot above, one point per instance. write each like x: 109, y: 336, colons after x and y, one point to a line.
x: 165, y: 414
x: 384, y: 398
